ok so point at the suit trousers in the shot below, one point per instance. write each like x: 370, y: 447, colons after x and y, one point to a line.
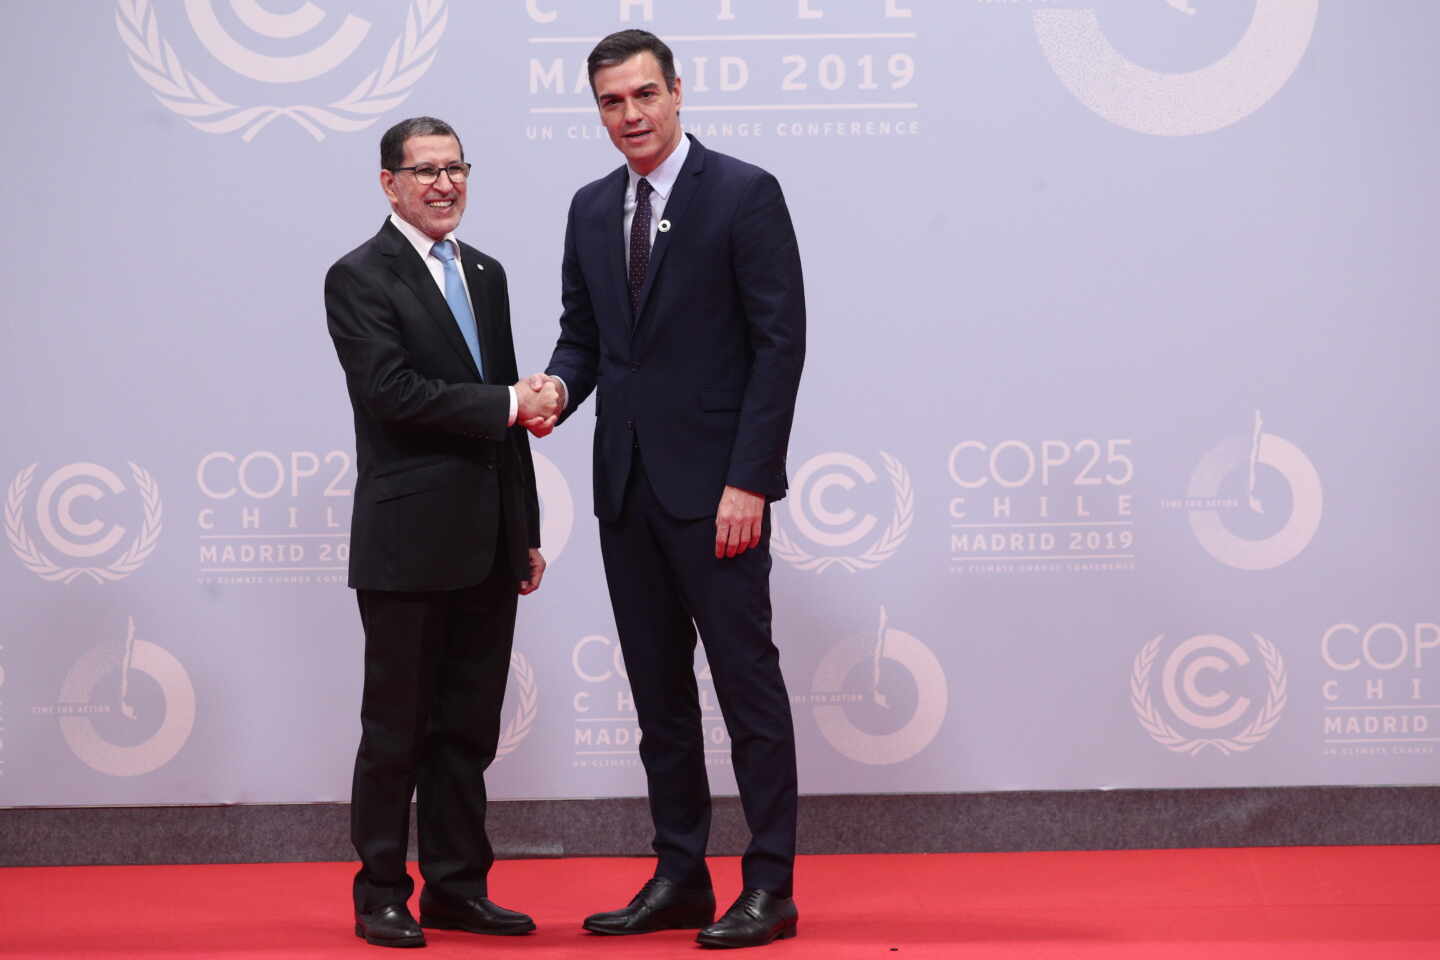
x: 435, y: 669
x: 665, y: 582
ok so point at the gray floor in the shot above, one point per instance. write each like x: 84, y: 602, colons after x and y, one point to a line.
x: 932, y: 823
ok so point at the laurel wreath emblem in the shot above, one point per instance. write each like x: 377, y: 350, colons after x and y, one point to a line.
x: 1161, y: 731
x: 890, y: 538
x: 525, y: 711
x: 155, y: 61
x: 42, y: 566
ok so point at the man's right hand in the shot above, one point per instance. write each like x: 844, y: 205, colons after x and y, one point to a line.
x: 541, y: 425
x: 540, y: 402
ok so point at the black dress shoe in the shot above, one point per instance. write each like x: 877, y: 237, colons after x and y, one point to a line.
x: 481, y: 915
x: 390, y: 926
x: 754, y: 920
x: 660, y: 905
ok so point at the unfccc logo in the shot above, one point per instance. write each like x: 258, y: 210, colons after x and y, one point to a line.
x: 522, y: 677
x: 814, y: 510
x: 154, y: 701
x: 1219, y: 470
x: 883, y: 704
x: 383, y: 89
x: 1178, y: 104
x: 66, y: 515
x: 1193, y: 690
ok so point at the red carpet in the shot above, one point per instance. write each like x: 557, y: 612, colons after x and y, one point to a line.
x: 1331, y: 902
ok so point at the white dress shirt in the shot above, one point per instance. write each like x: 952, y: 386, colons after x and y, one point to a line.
x: 662, y: 178
x: 436, y: 266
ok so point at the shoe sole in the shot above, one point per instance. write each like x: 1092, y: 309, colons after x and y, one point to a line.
x: 434, y: 924
x: 723, y: 944
x: 381, y: 942
x: 625, y: 932
x: 628, y: 931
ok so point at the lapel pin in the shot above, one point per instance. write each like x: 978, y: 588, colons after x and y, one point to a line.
x: 663, y: 226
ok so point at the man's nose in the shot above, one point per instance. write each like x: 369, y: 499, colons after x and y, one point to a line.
x: 632, y: 112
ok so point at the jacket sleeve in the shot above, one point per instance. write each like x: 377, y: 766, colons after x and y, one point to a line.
x: 772, y: 295
x: 381, y: 378
x: 576, y: 358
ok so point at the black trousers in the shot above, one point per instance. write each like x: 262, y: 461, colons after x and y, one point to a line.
x: 435, y: 670
x: 665, y: 582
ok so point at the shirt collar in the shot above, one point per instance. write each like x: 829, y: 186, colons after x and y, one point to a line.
x: 418, y: 239
x: 663, y: 177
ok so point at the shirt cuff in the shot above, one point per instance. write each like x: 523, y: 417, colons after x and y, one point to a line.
x: 514, y: 406
x: 564, y: 391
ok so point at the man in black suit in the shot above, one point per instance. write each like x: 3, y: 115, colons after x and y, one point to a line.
x: 445, y: 535
x: 684, y: 311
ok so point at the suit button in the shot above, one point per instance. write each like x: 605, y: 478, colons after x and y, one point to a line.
x: 629, y: 424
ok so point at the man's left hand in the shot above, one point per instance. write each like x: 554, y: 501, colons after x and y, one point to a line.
x: 738, y: 521
x: 537, y: 572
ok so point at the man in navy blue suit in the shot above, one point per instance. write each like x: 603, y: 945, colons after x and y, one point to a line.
x: 684, y: 311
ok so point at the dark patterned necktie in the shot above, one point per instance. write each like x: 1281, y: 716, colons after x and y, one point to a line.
x: 639, y: 243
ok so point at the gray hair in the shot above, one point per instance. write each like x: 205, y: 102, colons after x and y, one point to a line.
x: 392, y: 144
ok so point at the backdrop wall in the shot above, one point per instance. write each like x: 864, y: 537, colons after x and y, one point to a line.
x: 1114, y: 457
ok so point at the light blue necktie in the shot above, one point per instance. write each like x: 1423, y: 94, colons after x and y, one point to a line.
x: 459, y: 303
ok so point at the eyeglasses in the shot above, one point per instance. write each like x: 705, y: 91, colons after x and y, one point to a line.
x: 426, y: 175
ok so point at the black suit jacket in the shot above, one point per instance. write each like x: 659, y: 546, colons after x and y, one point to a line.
x: 438, y: 467
x: 705, y: 376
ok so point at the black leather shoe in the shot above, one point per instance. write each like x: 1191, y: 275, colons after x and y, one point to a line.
x: 481, y: 915
x: 754, y: 920
x: 660, y: 905
x: 390, y: 926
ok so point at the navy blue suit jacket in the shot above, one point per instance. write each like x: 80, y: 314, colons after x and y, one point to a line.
x: 704, y: 378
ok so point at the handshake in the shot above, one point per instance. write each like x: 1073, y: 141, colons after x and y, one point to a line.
x: 541, y: 399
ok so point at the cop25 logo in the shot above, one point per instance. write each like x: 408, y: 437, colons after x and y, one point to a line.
x: 1178, y: 104
x: 383, y: 88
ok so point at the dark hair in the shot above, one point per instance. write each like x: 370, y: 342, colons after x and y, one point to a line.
x: 392, y: 144
x: 619, y: 47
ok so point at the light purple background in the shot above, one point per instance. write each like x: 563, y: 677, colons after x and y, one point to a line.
x: 1018, y: 269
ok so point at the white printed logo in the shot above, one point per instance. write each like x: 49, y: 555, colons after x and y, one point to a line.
x: 522, y: 681
x: 836, y: 529
x: 154, y: 707
x: 557, y: 507
x: 1207, y: 485
x: 76, y: 536
x: 383, y: 89
x: 882, y: 706
x: 1178, y: 104
x: 1190, y: 704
